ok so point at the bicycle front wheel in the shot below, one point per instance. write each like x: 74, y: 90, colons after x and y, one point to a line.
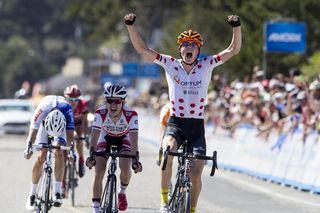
x: 175, y: 198
x: 108, y: 197
x: 47, y: 203
x: 185, y: 204
x: 112, y: 195
x: 72, y: 182
x: 180, y: 201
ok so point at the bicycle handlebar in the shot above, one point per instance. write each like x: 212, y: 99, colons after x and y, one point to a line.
x: 49, y: 146
x: 116, y: 154
x: 112, y: 154
x: 167, y: 152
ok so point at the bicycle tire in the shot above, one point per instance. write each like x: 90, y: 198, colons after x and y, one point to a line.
x: 111, y: 195
x: 40, y: 196
x: 185, y: 202
x: 47, y: 194
x: 103, y: 202
x: 72, y: 180
x: 174, y: 200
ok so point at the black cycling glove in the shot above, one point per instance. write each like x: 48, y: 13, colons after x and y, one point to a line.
x: 235, y: 23
x: 130, y: 22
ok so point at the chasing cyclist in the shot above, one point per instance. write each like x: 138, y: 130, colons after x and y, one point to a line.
x: 188, y: 79
x: 114, y: 124
x: 80, y: 108
x: 53, y: 117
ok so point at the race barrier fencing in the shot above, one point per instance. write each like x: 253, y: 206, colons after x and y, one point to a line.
x: 282, y: 159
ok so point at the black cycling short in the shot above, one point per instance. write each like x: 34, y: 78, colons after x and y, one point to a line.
x: 189, y: 129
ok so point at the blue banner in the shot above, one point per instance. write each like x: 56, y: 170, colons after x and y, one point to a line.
x: 135, y: 70
x: 124, y: 81
x: 285, y: 37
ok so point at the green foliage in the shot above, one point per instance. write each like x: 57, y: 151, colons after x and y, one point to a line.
x: 18, y: 62
x: 36, y: 37
x: 312, y: 68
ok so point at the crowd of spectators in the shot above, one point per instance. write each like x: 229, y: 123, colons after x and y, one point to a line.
x: 281, y: 103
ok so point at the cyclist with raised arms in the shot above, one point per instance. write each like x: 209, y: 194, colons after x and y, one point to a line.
x: 114, y: 124
x: 80, y: 108
x: 188, y: 79
x: 53, y: 117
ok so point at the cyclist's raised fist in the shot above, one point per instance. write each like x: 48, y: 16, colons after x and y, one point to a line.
x: 129, y: 18
x: 234, y: 20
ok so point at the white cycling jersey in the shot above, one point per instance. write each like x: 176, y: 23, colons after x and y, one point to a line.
x: 128, y: 122
x: 188, y: 92
x: 47, y: 104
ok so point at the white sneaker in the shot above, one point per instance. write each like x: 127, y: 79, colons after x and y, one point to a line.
x: 57, y: 200
x: 164, y: 208
x: 30, y: 203
x: 96, y: 209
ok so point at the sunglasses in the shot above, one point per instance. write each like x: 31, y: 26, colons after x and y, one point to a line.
x: 189, y: 43
x: 73, y: 99
x: 116, y: 101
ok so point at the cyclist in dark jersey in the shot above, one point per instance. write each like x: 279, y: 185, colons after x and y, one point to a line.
x: 188, y: 80
x: 80, y: 108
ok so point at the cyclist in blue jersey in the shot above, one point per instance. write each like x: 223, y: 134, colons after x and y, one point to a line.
x: 188, y: 80
x: 53, y: 117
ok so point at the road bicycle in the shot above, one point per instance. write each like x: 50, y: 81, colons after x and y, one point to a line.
x: 180, y: 199
x: 44, y: 202
x: 109, y: 202
x: 71, y: 176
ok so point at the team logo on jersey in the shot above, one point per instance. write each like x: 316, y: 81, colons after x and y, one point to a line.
x: 121, y: 121
x: 191, y: 83
x: 37, y: 115
x: 190, y: 92
x: 176, y: 79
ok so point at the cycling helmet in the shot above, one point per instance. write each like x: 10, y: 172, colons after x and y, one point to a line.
x: 115, y: 91
x: 190, y: 36
x: 55, y: 123
x: 72, y: 91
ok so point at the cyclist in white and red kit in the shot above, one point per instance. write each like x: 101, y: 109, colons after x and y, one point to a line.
x: 114, y: 124
x: 188, y: 80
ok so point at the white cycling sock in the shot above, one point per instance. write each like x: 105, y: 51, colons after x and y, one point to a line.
x: 33, y: 189
x: 95, y: 206
x: 58, y: 187
x: 123, y: 188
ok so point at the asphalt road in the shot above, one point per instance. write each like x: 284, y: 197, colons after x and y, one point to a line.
x: 227, y: 192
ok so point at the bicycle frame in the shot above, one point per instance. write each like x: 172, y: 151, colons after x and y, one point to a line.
x: 109, y: 200
x: 109, y: 196
x: 44, y: 198
x: 180, y: 201
x: 44, y: 201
